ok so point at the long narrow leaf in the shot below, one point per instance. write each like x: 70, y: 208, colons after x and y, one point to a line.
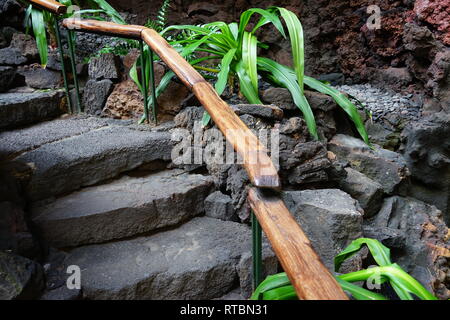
x: 249, y: 55
x: 267, y: 14
x: 359, y: 293
x: 282, y: 293
x: 110, y: 11
x: 403, y: 284
x: 271, y: 282
x: 37, y: 19
x: 343, y: 102
x: 222, y: 76
x: 280, y: 74
x: 297, y: 44
x: 380, y: 253
x: 246, y: 86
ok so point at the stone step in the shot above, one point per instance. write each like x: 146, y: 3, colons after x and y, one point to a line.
x: 22, y: 108
x: 123, y: 208
x: 18, y: 141
x: 199, y: 260
x: 81, y: 160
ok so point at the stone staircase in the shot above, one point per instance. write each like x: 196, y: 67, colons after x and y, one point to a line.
x: 100, y: 191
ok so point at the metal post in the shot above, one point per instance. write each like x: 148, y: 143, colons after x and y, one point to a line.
x: 144, y: 82
x: 152, y: 80
x: 256, y: 251
x: 63, y: 67
x: 74, y: 68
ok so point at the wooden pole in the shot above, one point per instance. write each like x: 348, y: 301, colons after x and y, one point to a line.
x: 185, y: 72
x: 259, y: 166
x: 310, y: 278
x: 50, y: 5
x: 104, y: 27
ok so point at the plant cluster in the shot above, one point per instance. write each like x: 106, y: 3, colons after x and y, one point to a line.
x: 41, y: 21
x: 278, y: 287
x: 237, y: 49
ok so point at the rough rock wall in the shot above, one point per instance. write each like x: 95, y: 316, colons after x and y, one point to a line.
x: 411, y: 48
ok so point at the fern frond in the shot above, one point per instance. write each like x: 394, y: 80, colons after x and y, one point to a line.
x: 159, y: 23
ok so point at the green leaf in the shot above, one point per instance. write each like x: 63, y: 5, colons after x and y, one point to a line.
x: 403, y: 284
x: 296, y: 36
x: 246, y: 86
x: 271, y: 282
x: 268, y: 15
x: 380, y: 253
x: 284, y: 76
x: 110, y: 11
x: 205, y: 119
x: 343, y: 102
x: 27, y: 19
x: 282, y: 293
x: 37, y: 19
x: 359, y: 293
x: 222, y: 76
x: 234, y: 29
x: 249, y: 56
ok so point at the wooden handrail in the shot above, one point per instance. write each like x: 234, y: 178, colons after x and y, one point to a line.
x: 307, y: 273
x: 50, y: 5
x: 104, y: 27
x: 260, y: 169
x: 310, y: 278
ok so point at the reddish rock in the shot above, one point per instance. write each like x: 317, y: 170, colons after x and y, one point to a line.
x: 436, y: 13
x: 125, y: 101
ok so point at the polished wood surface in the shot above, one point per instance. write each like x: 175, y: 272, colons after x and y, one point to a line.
x: 50, y: 5
x: 104, y: 27
x: 185, y: 72
x: 310, y: 278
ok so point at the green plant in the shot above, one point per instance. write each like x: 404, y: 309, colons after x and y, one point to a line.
x: 42, y: 22
x: 160, y: 22
x: 186, y: 51
x: 237, y: 50
x: 278, y: 287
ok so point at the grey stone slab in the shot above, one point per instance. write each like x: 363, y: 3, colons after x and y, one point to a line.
x: 21, y: 140
x: 86, y: 159
x: 368, y: 192
x: 122, y: 208
x: 329, y: 217
x: 17, y: 109
x: 196, y: 261
x: 385, y: 167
